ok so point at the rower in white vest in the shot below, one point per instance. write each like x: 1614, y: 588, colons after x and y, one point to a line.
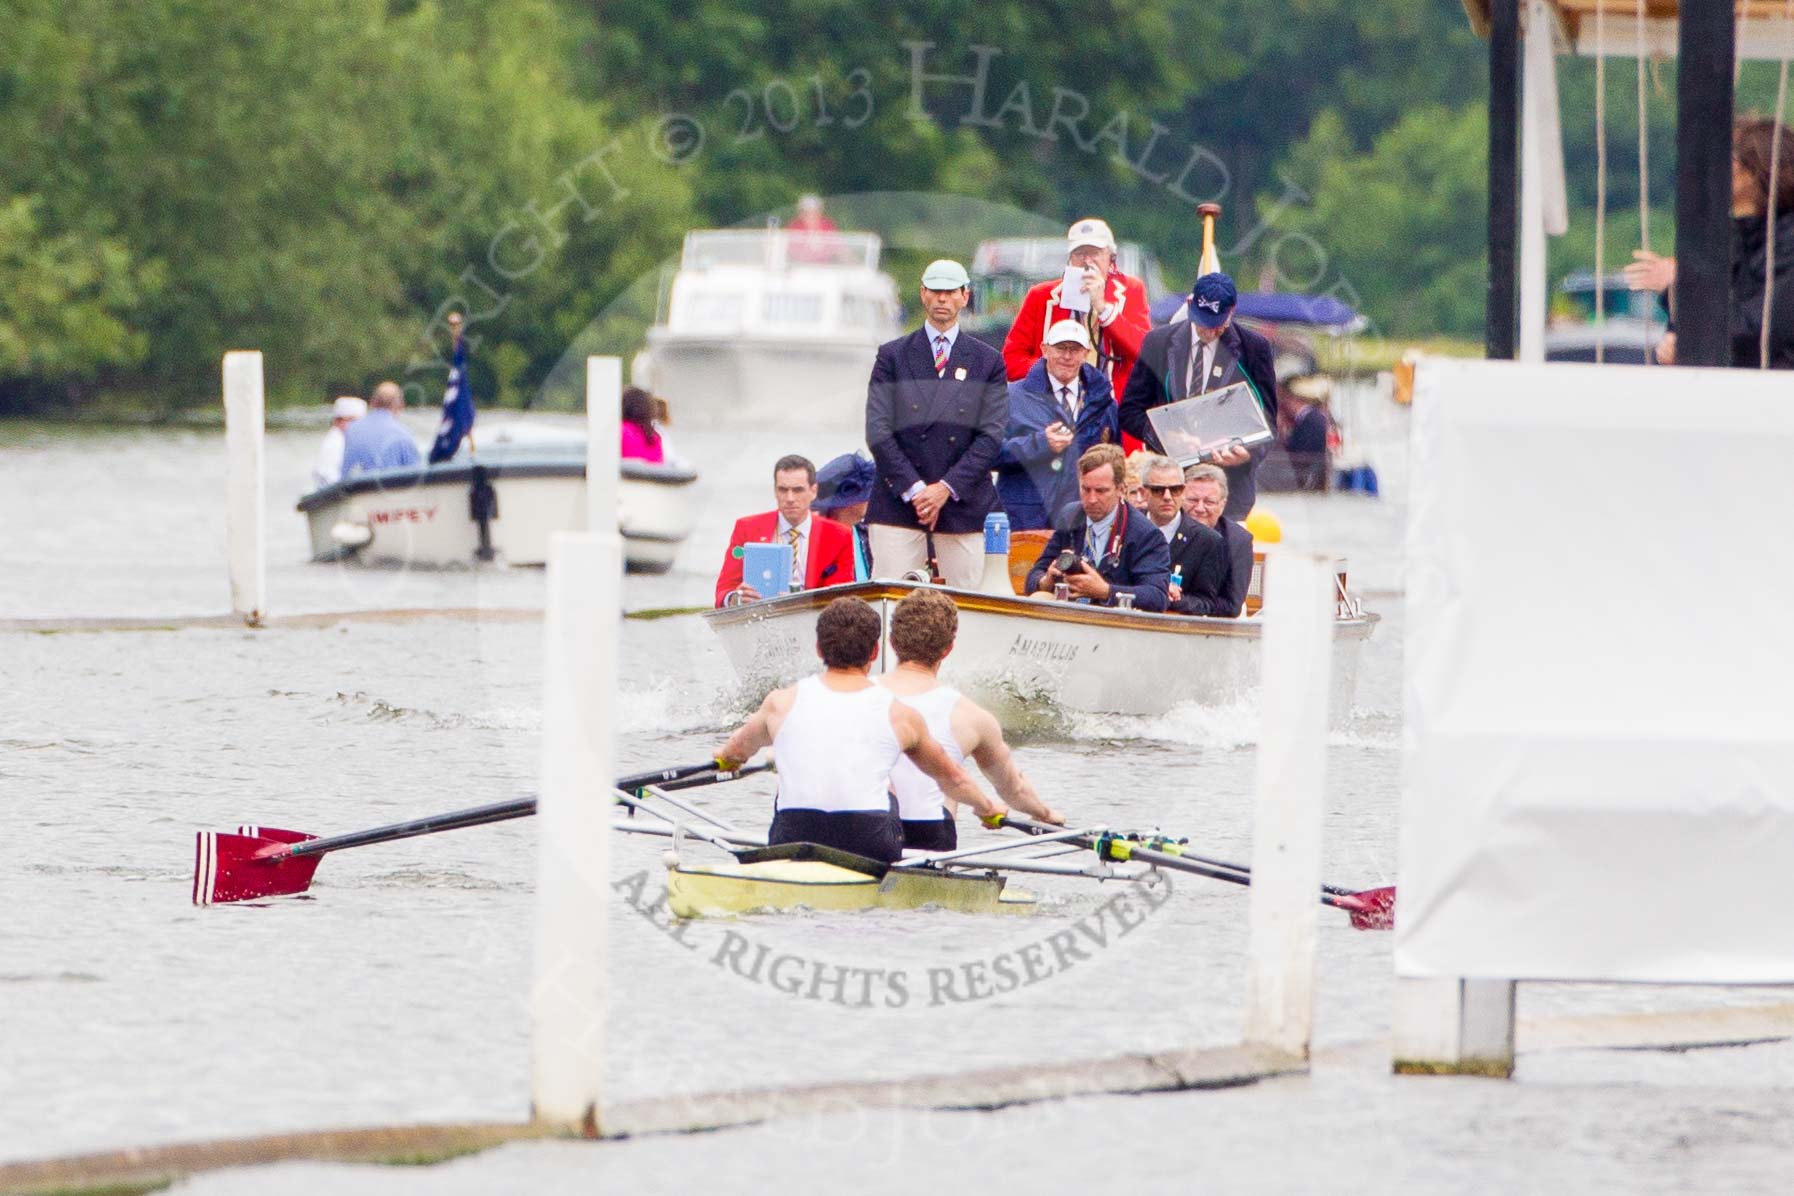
x: 835, y: 738
x: 923, y: 629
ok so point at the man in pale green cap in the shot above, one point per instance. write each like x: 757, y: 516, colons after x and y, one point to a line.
x: 935, y: 411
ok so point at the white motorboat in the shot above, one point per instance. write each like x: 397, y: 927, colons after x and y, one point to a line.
x: 1015, y: 651
x: 767, y: 325
x: 501, y: 504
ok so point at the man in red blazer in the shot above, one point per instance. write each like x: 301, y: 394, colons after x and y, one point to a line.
x: 822, y: 551
x: 1118, y: 318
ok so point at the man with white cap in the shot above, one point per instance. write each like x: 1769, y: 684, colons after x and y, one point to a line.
x: 1061, y: 407
x: 1111, y: 306
x: 329, y: 469
x: 936, y: 407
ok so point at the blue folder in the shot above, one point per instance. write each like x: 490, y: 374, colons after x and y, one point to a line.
x: 766, y: 567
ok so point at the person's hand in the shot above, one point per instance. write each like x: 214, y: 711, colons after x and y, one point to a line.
x: 1088, y: 583
x: 1095, y: 283
x: 746, y: 593
x: 1049, y: 579
x: 1233, y: 453
x: 1666, y: 349
x: 929, y: 502
x: 1650, y: 271
x: 1175, y: 592
x: 1053, y: 816
x: 1058, y: 437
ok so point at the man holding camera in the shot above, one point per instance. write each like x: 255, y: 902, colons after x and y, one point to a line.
x: 1103, y: 551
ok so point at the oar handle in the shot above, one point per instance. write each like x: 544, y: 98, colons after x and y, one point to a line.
x: 502, y: 811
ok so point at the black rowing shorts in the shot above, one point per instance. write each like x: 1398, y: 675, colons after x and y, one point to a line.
x: 936, y: 834
x: 874, y: 834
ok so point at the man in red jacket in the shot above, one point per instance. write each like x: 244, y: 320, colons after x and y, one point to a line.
x: 1117, y: 317
x: 821, y: 551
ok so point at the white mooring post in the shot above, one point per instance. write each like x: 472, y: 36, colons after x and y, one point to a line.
x: 585, y: 579
x: 244, y: 491
x: 604, y: 418
x: 1292, y: 780
x: 1452, y: 1026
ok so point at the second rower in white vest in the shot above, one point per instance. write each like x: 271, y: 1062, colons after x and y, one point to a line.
x: 835, y: 739
x: 923, y: 628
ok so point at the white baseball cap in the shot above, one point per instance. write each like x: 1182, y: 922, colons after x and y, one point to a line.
x: 1068, y: 330
x: 1090, y: 231
x: 348, y: 407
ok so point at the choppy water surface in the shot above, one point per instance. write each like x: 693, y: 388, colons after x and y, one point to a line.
x: 396, y: 991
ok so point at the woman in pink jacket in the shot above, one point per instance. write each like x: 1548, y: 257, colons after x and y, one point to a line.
x: 641, y: 439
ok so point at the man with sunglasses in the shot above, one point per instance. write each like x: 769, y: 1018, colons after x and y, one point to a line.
x: 1108, y: 548
x: 1198, y: 552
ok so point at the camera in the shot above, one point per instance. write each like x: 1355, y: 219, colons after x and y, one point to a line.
x: 1069, y: 562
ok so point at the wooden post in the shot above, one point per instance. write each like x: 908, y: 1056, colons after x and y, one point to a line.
x: 1504, y: 170
x: 573, y: 822
x: 604, y: 418
x: 1454, y: 1027
x: 1706, y: 50
x: 244, y: 490
x: 585, y: 584
x: 1292, y: 782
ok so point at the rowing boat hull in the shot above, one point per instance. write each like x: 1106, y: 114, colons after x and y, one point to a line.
x: 1022, y: 652
x: 725, y: 890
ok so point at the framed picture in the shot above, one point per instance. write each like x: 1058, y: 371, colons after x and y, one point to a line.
x: 1192, y: 430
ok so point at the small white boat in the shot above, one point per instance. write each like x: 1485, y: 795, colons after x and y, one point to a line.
x: 1019, y: 651
x: 767, y: 325
x: 501, y: 505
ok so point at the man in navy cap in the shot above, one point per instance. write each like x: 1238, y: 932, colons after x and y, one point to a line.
x: 843, y: 489
x: 1197, y: 355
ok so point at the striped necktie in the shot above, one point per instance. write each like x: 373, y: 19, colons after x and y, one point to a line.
x: 797, y: 571
x: 940, y: 354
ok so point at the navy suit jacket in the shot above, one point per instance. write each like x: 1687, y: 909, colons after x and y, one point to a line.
x: 1031, y: 488
x: 1142, y: 567
x: 924, y: 427
x: 1201, y: 551
x: 1159, y: 377
x: 1239, y: 565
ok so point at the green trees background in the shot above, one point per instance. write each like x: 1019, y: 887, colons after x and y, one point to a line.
x: 322, y: 179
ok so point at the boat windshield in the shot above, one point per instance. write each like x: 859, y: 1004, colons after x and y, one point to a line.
x: 778, y: 248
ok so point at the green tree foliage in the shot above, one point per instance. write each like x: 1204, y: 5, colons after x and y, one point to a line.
x: 323, y: 179
x: 1401, y: 223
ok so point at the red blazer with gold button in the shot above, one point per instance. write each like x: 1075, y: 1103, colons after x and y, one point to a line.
x: 831, y: 552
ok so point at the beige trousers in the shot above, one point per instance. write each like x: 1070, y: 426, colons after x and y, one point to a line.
x: 897, y: 550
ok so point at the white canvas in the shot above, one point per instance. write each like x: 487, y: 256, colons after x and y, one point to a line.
x: 1599, y: 675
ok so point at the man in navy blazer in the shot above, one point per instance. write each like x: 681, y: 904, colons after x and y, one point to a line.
x: 1199, y: 562
x: 1205, y: 496
x: 935, y: 410
x: 1205, y: 352
x: 1060, y: 408
x: 1118, y: 550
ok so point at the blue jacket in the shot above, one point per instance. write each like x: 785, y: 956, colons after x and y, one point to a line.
x: 377, y: 441
x: 1141, y: 565
x: 1031, y: 481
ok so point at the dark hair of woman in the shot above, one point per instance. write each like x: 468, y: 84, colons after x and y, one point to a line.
x: 1753, y: 142
x: 638, y: 409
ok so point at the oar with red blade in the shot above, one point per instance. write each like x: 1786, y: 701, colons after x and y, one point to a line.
x: 261, y: 861
x: 1369, y: 909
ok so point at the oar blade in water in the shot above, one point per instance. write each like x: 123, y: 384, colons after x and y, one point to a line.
x: 1372, y: 909
x: 246, y: 867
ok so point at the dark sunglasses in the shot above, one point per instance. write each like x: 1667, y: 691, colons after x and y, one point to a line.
x: 1177, y: 489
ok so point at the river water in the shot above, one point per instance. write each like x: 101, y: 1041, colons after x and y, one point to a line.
x: 396, y: 991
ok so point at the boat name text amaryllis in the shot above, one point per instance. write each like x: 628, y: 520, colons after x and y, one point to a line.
x: 1042, y: 649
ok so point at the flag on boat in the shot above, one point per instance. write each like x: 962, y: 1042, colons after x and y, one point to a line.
x: 457, y: 407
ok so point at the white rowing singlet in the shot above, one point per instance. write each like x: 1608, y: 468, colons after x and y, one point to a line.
x: 919, y: 799
x: 835, y: 751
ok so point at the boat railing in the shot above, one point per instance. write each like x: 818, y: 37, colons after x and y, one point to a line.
x: 779, y: 249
